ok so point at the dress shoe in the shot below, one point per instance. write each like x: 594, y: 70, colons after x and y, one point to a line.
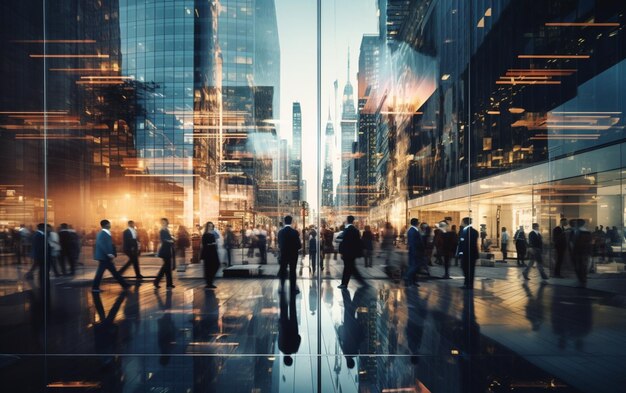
x: 342, y: 286
x: 156, y: 284
x: 526, y: 276
x: 170, y: 287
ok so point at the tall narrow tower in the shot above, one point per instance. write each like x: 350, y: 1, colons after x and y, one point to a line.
x: 345, y: 191
x: 327, y: 181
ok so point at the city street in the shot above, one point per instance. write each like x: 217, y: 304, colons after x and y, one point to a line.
x: 505, y: 334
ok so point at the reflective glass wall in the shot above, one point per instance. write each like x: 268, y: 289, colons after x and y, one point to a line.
x: 452, y: 172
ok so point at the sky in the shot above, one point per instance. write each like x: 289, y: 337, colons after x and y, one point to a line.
x: 343, y: 24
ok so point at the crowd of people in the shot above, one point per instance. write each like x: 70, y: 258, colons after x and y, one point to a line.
x: 444, y: 244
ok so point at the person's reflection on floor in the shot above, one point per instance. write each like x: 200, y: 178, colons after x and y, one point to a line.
x: 132, y: 314
x: 329, y: 293
x: 313, y: 294
x: 417, y: 313
x: 351, y: 334
x: 105, y: 329
x: 166, y: 330
x: 288, y: 337
x: 469, y: 347
x: 206, y: 330
x: 534, y: 306
x: 571, y: 316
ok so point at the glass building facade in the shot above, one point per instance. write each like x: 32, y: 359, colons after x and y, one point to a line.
x: 231, y: 118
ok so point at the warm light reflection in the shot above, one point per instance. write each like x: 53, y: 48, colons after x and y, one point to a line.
x: 553, y: 56
x: 94, y: 56
x: 582, y: 24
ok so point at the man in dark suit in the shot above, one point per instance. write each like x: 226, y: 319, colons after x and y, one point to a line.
x: 350, y: 249
x: 468, y: 251
x: 559, y: 238
x: 415, y: 245
x: 104, y: 252
x: 41, y: 250
x: 580, y: 248
x: 536, y: 248
x: 69, y: 247
x: 290, y: 245
x: 131, y: 249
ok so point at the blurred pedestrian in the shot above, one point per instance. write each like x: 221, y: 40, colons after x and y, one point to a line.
x: 104, y: 253
x: 468, y: 251
x: 350, y: 249
x: 520, y: 246
x: 166, y: 253
x: 535, y: 241
x: 368, y: 245
x: 209, y: 255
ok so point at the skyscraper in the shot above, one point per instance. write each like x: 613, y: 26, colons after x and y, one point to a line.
x: 368, y: 88
x: 327, y: 181
x: 345, y: 194
x: 296, y: 152
x: 250, y: 94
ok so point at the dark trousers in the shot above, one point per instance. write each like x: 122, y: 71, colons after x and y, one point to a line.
x: 263, y: 253
x: 166, y: 269
x: 367, y: 256
x: 313, y: 260
x: 520, y: 248
x: 133, y: 259
x: 70, y: 257
x: 282, y: 273
x: 349, y: 270
x: 504, y: 249
x: 446, y: 265
x: 414, y: 264
x: 229, y: 255
x: 107, y: 265
x: 581, y: 267
x: 210, y: 270
x: 469, y: 267
x: 560, y: 257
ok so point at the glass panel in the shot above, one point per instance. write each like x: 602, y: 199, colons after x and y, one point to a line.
x: 24, y: 121
x: 385, y: 196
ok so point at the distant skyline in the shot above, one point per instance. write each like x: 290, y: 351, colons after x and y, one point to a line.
x: 343, y: 25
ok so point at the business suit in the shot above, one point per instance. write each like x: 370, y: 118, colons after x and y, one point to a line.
x: 131, y: 249
x: 69, y: 249
x: 209, y: 257
x: 103, y: 248
x: 350, y: 249
x: 468, y: 252
x: 39, y: 249
x: 536, y: 245
x: 559, y: 237
x: 166, y: 252
x: 416, y: 254
x: 289, y: 244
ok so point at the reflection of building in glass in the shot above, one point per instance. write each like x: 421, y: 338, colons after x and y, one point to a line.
x: 175, y: 132
x: 296, y: 154
x: 345, y: 189
x: 327, y: 180
x: 530, y: 126
x: 368, y: 77
x: 250, y: 52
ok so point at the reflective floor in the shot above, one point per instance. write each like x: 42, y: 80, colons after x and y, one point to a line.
x: 247, y: 336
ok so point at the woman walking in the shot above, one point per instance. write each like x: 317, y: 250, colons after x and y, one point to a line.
x: 166, y: 252
x: 209, y: 255
x: 368, y: 245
